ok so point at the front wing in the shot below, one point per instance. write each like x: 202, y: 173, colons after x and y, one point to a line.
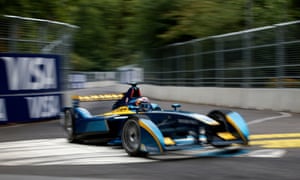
x: 153, y: 141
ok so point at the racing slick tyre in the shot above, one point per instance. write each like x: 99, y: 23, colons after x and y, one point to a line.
x: 69, y: 126
x: 220, y: 116
x: 131, y: 138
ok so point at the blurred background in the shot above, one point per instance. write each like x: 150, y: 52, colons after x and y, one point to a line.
x: 114, y: 33
x: 197, y: 43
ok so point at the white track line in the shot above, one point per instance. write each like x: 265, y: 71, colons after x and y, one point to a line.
x: 283, y: 115
x: 266, y: 153
x: 60, y: 152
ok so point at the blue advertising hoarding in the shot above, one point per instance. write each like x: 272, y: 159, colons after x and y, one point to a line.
x: 29, y: 87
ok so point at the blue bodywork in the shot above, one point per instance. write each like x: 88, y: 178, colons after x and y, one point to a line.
x: 152, y: 138
x: 85, y: 122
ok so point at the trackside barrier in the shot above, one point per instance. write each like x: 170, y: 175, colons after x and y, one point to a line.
x: 30, y: 87
x: 280, y: 99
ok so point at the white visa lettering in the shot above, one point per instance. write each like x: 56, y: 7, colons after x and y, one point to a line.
x: 3, y: 116
x: 30, y: 73
x: 43, y: 106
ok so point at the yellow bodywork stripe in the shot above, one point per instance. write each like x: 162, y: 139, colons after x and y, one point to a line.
x: 168, y: 141
x: 226, y: 135
x: 123, y: 110
x: 143, y: 125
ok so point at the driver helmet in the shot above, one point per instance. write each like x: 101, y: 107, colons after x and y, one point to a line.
x: 142, y: 100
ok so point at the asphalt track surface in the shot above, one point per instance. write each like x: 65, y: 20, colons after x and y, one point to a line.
x: 39, y: 151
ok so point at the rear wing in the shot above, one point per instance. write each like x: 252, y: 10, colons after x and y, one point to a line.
x: 99, y: 97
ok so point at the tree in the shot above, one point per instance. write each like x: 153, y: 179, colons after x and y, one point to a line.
x: 150, y: 21
x: 196, y: 19
x: 57, y: 10
x: 102, y: 38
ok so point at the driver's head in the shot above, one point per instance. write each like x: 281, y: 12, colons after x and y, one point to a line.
x: 142, y: 100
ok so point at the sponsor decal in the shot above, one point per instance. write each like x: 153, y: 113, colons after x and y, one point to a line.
x: 43, y: 106
x: 30, y: 73
x: 30, y: 87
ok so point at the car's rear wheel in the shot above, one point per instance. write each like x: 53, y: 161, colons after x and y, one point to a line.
x: 69, y: 126
x: 131, y: 138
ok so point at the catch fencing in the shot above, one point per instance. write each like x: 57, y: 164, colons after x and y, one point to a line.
x: 34, y: 64
x: 266, y: 57
x: 39, y: 36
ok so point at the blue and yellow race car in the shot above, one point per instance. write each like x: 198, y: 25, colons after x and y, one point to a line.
x: 143, y: 128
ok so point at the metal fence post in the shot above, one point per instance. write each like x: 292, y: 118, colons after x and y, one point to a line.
x: 13, y: 36
x: 42, y: 35
x: 219, y: 58
x: 177, y: 65
x: 197, y: 63
x: 247, y: 57
x: 279, y: 56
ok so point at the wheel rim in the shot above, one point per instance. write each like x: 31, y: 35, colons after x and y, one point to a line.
x: 69, y: 123
x: 131, y: 136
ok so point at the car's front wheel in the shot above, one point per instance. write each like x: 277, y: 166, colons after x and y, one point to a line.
x: 220, y: 117
x: 131, y: 138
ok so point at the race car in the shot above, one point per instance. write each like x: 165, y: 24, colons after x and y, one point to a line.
x: 142, y: 130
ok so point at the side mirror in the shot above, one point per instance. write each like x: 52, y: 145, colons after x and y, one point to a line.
x: 175, y: 106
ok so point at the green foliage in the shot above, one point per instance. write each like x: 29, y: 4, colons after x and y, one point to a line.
x: 196, y: 18
x: 57, y: 10
x: 113, y: 33
x: 150, y: 22
x: 81, y: 64
x: 267, y: 12
x: 102, y: 34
